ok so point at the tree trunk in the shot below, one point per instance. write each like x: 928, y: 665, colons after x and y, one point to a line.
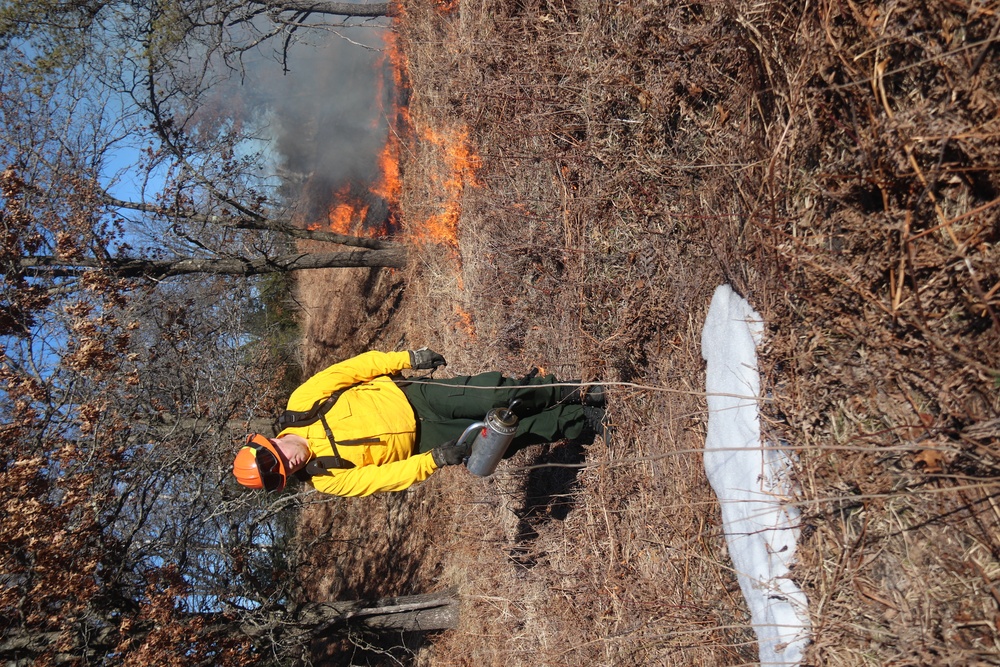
x: 257, y: 222
x: 311, y: 620
x: 166, y: 424
x: 334, y: 8
x: 435, y: 618
x: 24, y: 647
x: 430, y: 611
x: 132, y: 267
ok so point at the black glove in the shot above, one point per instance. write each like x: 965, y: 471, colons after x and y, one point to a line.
x: 424, y: 359
x: 450, y: 454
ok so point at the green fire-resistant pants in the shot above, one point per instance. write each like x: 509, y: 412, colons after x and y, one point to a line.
x: 445, y: 408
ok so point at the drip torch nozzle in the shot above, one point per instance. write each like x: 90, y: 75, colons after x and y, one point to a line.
x: 510, y: 408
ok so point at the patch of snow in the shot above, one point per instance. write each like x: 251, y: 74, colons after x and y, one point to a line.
x: 751, y: 482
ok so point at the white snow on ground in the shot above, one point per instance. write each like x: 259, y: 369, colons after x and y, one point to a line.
x: 751, y: 482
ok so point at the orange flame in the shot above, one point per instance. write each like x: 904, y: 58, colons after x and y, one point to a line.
x: 390, y: 184
x: 464, y: 322
x: 347, y: 213
x: 460, y: 166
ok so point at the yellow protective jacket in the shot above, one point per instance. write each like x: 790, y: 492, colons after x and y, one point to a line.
x: 373, y: 425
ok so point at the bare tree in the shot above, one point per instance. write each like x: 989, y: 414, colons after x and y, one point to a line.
x: 210, y: 212
x: 134, y: 267
x: 127, y: 363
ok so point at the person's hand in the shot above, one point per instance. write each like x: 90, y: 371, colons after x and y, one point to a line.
x: 450, y: 453
x: 426, y: 359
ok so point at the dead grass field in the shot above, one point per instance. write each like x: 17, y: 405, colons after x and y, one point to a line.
x: 837, y: 163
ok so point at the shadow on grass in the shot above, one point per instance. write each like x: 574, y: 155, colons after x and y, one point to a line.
x: 549, y: 494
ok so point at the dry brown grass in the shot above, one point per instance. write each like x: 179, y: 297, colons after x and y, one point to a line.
x: 837, y: 164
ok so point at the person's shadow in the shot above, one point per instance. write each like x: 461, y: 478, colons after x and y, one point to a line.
x: 550, y: 493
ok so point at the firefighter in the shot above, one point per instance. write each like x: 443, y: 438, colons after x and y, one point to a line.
x: 358, y: 427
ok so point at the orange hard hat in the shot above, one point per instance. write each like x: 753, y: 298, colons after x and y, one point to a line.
x: 260, y: 465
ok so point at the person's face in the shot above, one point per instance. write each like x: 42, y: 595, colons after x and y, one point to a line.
x: 295, y: 450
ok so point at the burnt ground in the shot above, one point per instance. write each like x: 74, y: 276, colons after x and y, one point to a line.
x: 837, y: 163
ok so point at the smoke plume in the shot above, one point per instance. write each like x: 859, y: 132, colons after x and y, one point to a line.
x: 326, y: 118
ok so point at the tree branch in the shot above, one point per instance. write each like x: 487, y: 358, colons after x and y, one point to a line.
x: 258, y: 223
x: 373, y: 10
x: 138, y: 267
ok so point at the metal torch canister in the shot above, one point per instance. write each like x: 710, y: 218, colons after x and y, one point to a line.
x: 495, y: 434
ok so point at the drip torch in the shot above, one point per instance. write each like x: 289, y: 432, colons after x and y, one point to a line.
x: 494, y: 436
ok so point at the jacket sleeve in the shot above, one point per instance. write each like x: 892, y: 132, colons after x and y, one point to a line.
x: 366, y: 480
x: 346, y: 373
